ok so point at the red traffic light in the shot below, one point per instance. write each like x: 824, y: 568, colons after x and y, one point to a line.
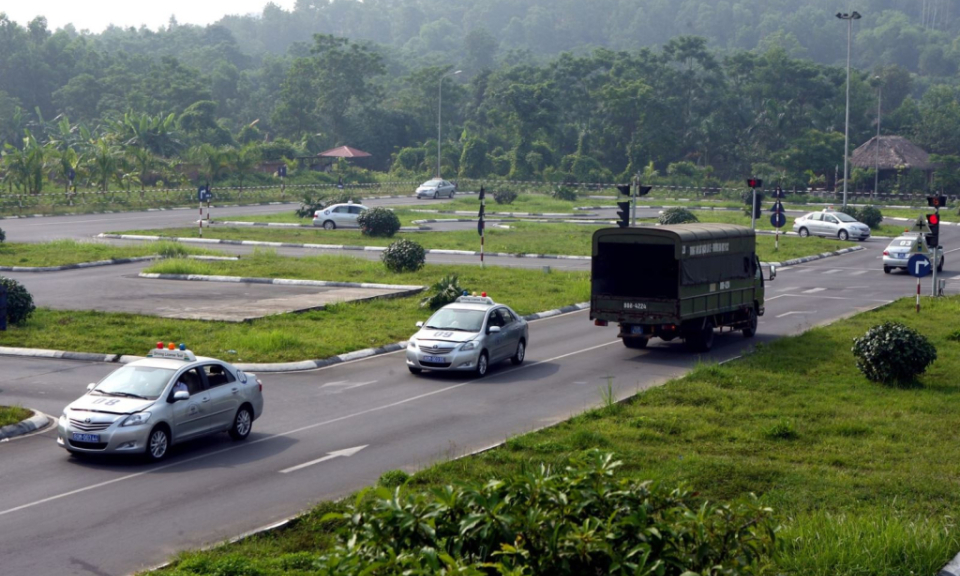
x: 754, y: 182
x: 933, y: 219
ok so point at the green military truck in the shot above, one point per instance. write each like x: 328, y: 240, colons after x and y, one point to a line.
x: 680, y: 281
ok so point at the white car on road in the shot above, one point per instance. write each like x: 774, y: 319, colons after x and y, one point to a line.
x: 436, y: 188
x: 897, y: 254
x: 832, y: 225
x: 338, y: 216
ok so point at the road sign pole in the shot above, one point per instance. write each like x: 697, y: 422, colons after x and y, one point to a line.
x: 633, y: 199
x: 936, y: 252
x: 753, y: 210
x: 918, y: 295
x: 200, y: 221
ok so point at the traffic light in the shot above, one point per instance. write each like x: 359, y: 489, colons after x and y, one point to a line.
x: 933, y: 221
x: 624, y: 189
x: 937, y: 201
x: 754, y: 183
x: 624, y: 214
x: 757, y: 205
x: 643, y: 190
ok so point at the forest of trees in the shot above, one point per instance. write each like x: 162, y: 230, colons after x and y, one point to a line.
x: 548, y: 89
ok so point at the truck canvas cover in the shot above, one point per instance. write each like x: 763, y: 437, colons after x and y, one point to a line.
x: 653, y: 261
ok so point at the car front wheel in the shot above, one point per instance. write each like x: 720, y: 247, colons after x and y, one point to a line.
x: 158, y: 444
x: 483, y: 364
x: 414, y: 370
x: 843, y: 235
x: 242, y: 424
x: 517, y: 358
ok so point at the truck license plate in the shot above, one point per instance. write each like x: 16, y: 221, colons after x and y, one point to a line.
x: 636, y: 329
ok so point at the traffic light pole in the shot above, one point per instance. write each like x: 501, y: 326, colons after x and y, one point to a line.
x: 936, y: 253
x: 753, y: 210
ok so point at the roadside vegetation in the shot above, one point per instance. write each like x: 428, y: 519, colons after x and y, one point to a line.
x: 861, y: 476
x: 763, y: 222
x: 12, y: 414
x: 64, y: 252
x: 317, y: 334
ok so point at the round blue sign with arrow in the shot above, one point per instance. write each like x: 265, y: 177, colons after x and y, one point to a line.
x: 778, y: 220
x: 919, y: 266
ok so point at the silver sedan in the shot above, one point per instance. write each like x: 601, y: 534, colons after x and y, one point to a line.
x: 832, y: 225
x: 166, y: 398
x: 436, y: 188
x: 469, y: 335
x: 338, y: 216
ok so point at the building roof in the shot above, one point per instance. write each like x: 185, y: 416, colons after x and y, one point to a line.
x: 895, y: 152
x: 344, y: 152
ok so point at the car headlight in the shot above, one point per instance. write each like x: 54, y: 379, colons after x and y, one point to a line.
x: 64, y: 418
x: 469, y: 346
x: 137, y: 419
x: 411, y: 343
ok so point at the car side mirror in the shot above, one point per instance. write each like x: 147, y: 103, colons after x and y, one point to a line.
x: 91, y: 386
x: 419, y: 324
x: 493, y: 329
x: 181, y: 395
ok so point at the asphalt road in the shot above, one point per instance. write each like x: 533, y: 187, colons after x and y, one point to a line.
x: 61, y: 515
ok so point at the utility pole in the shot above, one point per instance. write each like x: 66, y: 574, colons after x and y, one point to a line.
x: 846, y: 129
x: 439, y: 111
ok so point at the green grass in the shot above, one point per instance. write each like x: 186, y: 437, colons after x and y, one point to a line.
x: 12, y: 415
x: 521, y: 238
x: 289, y: 337
x: 862, y: 477
x: 63, y: 252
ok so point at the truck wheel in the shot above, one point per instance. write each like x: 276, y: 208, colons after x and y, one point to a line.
x: 701, y: 339
x: 750, y: 330
x: 636, y: 343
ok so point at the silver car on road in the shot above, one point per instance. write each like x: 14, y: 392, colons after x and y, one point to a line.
x: 166, y: 398
x: 897, y: 254
x: 436, y: 188
x: 338, y: 216
x: 832, y: 225
x: 469, y: 335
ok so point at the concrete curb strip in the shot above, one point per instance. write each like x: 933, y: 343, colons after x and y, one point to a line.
x: 112, y: 262
x: 291, y: 225
x: 31, y: 424
x: 805, y: 259
x: 951, y: 569
x: 277, y: 281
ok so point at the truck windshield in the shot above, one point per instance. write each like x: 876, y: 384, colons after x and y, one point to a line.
x: 637, y: 271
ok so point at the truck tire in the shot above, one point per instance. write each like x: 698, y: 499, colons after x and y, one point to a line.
x: 636, y: 343
x: 750, y: 330
x: 701, y: 339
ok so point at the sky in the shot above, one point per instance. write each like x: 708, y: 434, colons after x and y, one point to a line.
x: 95, y: 15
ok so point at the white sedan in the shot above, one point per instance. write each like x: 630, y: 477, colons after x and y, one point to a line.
x: 436, y: 188
x: 338, y: 216
x: 832, y: 225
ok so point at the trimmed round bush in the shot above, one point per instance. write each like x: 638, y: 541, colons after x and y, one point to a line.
x: 505, y: 196
x: 567, y: 193
x: 19, y: 301
x: 379, y: 221
x: 891, y: 353
x: 677, y: 215
x: 404, y: 256
x: 870, y: 216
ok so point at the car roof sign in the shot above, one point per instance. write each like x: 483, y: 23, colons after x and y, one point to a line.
x: 185, y: 355
x: 476, y: 300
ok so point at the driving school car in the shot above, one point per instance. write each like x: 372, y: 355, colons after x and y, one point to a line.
x: 164, y: 399
x: 470, y: 335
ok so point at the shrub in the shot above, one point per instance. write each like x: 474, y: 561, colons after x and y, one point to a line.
x: 870, y: 216
x: 19, y: 301
x: 404, y: 256
x: 505, y: 196
x: 393, y: 478
x: 3, y: 235
x: 379, y: 221
x: 565, y: 193
x: 891, y: 353
x: 444, y: 292
x: 581, y: 519
x: 311, y: 203
x: 677, y: 215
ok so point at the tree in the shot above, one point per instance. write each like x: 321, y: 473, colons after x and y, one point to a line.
x: 244, y: 161
x: 103, y: 162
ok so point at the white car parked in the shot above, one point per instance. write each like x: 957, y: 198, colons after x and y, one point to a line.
x: 338, y: 216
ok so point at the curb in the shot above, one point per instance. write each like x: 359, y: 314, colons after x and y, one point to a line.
x: 805, y: 259
x: 337, y: 247
x: 507, y: 214
x: 31, y: 424
x: 214, y: 223
x: 267, y: 367
x: 110, y: 262
x: 951, y: 569
x: 278, y: 281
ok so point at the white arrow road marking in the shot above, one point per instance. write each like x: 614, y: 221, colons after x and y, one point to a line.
x: 352, y: 386
x: 347, y: 452
x: 797, y: 312
x: 812, y: 290
x: 337, y: 383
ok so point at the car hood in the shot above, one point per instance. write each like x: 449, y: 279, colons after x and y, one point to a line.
x: 110, y: 404
x: 433, y: 335
x: 424, y: 188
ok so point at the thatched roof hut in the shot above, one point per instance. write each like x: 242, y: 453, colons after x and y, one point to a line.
x: 896, y: 152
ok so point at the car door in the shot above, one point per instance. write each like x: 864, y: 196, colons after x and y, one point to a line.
x: 494, y: 341
x: 355, y: 212
x: 448, y: 189
x: 513, y: 331
x: 812, y: 222
x: 191, y: 417
x: 224, y: 394
x: 340, y: 216
x: 831, y: 226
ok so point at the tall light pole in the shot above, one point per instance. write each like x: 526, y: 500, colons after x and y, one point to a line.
x: 876, y: 158
x: 439, y: 109
x: 846, y: 129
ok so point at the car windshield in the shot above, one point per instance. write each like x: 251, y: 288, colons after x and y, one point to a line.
x: 135, y: 381
x: 844, y: 217
x: 431, y: 183
x: 456, y: 319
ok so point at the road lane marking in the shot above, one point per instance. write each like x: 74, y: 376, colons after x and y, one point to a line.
x: 346, y: 453
x: 352, y: 386
x: 839, y: 298
x: 796, y: 312
x: 336, y: 383
x: 291, y: 432
x: 859, y: 272
x: 834, y: 271
x: 813, y: 290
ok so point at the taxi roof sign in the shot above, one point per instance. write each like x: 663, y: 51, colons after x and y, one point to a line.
x: 476, y: 300
x: 920, y: 226
x: 185, y: 355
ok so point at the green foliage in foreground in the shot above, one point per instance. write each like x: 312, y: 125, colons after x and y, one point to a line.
x: 12, y: 415
x: 893, y: 354
x: 317, y: 334
x: 63, y: 252
x: 862, y: 477
x: 404, y: 256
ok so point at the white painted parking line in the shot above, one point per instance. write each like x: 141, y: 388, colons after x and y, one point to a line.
x: 813, y: 290
x: 859, y: 272
x: 796, y: 312
x: 834, y: 271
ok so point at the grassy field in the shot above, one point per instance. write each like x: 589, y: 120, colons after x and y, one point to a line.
x: 862, y: 477
x: 12, y: 415
x: 521, y: 238
x: 63, y: 252
x: 289, y: 337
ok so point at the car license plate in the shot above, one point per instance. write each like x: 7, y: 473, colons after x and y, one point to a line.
x: 636, y: 329
x: 901, y: 255
x: 85, y: 437
x: 439, y: 359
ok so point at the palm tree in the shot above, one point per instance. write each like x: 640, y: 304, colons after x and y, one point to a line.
x: 103, y: 162
x: 244, y: 161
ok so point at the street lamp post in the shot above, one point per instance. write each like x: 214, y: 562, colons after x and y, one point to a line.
x: 846, y: 130
x: 876, y: 158
x: 439, y: 110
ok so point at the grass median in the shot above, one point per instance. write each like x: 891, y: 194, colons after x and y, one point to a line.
x: 862, y: 477
x: 65, y: 252
x: 311, y: 335
x: 520, y: 238
x: 763, y: 222
x: 12, y: 415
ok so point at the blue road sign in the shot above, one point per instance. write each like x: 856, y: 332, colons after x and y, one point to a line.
x: 919, y: 266
x: 778, y: 220
x: 777, y: 207
x: 204, y: 194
